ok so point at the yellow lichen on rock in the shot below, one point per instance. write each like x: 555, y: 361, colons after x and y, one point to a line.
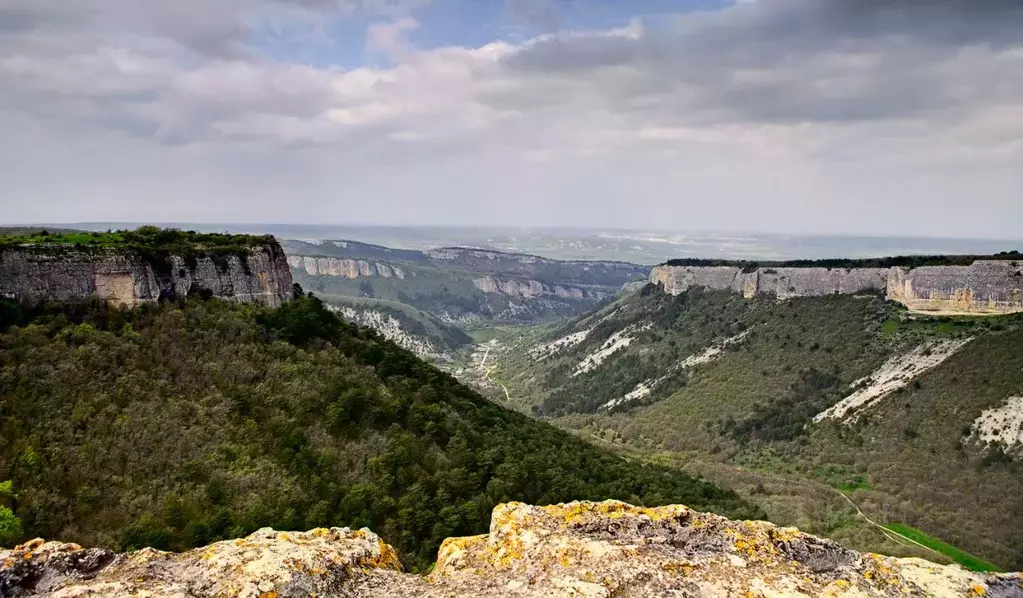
x: 574, y: 549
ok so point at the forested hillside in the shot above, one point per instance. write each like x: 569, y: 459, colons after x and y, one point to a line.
x: 916, y: 419
x: 176, y: 424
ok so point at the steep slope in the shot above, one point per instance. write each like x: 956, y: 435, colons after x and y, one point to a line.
x: 576, y: 549
x: 178, y: 424
x: 460, y: 285
x: 910, y: 415
x: 422, y: 333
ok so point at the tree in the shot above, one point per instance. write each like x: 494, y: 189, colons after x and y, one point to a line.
x: 10, y: 525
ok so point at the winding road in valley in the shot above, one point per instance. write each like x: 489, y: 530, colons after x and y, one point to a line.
x: 487, y: 370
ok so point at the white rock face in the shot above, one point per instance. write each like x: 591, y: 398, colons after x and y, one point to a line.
x: 896, y: 373
x: 1002, y: 425
x: 390, y: 328
x: 129, y: 278
x: 529, y: 289
x: 983, y: 287
x: 612, y: 345
x: 554, y: 347
x: 347, y: 268
x: 645, y: 387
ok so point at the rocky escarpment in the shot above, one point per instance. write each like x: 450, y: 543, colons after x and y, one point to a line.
x: 576, y: 549
x: 258, y: 274
x: 348, y: 268
x: 983, y: 287
x: 532, y: 289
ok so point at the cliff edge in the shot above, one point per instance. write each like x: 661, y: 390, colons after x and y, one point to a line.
x: 983, y: 287
x: 577, y: 549
x: 133, y: 267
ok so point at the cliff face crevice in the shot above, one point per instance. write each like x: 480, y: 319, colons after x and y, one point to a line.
x: 580, y: 549
x: 984, y: 287
x: 259, y: 275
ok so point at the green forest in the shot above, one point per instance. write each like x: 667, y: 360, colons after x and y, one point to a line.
x: 177, y: 424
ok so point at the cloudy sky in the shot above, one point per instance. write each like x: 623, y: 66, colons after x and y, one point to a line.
x: 823, y: 116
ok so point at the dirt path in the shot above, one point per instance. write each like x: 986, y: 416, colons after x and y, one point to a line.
x: 893, y: 535
x: 487, y: 370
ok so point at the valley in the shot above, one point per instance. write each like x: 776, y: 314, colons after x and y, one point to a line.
x: 801, y: 404
x: 840, y: 400
x: 838, y: 407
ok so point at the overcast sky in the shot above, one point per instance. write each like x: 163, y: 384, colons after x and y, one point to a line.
x: 896, y: 117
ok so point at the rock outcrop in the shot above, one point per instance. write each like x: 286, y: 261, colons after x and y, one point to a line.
x: 120, y: 276
x: 348, y: 268
x: 532, y: 289
x: 984, y: 287
x: 577, y: 549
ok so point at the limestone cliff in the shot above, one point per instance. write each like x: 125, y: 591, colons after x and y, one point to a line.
x: 348, y: 268
x: 984, y: 287
x: 257, y: 275
x: 532, y: 289
x: 577, y: 549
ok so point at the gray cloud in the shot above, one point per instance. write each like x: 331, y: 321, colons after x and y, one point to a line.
x: 802, y: 60
x: 761, y: 114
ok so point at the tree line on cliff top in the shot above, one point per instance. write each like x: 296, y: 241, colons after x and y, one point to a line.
x: 904, y: 261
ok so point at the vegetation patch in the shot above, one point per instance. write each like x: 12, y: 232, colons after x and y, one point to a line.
x: 965, y: 559
x: 153, y: 244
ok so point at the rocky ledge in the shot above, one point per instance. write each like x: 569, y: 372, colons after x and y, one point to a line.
x: 576, y: 549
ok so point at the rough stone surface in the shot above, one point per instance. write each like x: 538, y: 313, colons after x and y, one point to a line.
x: 577, y: 549
x: 266, y: 564
x: 347, y: 268
x: 984, y: 287
x: 531, y: 289
x: 124, y: 278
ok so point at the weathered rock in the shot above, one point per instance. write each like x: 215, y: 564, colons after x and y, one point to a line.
x: 347, y: 268
x: 123, y: 277
x: 266, y: 564
x: 986, y: 286
x: 531, y: 289
x: 577, y: 549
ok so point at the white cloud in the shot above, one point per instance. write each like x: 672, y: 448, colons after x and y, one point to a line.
x: 786, y: 114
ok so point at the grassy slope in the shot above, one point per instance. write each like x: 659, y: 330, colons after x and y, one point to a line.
x: 904, y: 462
x: 174, y: 425
x: 963, y: 558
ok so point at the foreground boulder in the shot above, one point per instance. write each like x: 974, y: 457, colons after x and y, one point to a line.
x: 576, y: 549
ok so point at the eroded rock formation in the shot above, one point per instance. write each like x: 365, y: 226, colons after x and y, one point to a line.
x: 984, y: 287
x: 348, y: 268
x: 531, y: 289
x: 259, y: 275
x: 577, y: 549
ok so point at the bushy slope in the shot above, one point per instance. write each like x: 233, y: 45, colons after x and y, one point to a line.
x: 178, y: 424
x: 912, y: 457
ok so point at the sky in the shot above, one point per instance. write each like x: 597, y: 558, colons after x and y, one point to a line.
x: 888, y: 117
